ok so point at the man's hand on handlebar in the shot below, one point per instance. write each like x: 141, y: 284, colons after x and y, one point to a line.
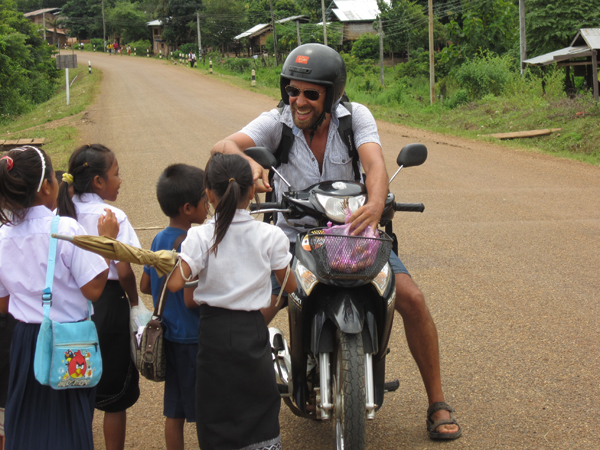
x: 367, y: 215
x: 261, y: 178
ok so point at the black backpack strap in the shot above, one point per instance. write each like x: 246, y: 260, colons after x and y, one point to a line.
x: 347, y: 135
x: 282, y: 154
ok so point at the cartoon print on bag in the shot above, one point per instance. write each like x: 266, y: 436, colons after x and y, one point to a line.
x: 76, y: 364
x: 78, y: 369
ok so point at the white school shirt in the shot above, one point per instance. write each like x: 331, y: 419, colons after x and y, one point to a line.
x: 239, y: 277
x: 302, y: 169
x: 89, y: 207
x: 23, y: 263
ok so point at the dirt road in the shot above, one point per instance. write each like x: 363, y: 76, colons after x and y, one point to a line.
x: 506, y: 254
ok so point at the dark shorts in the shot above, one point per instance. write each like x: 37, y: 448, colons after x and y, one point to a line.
x: 180, y: 381
x: 395, y: 263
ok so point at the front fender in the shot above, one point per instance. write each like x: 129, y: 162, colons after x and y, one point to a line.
x: 339, y: 312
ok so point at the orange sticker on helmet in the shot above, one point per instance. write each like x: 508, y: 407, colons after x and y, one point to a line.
x: 302, y: 59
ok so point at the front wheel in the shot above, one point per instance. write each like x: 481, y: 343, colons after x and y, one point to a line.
x: 349, y: 392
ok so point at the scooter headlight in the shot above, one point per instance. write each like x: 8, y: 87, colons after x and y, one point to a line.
x: 382, y: 279
x: 335, y: 207
x: 305, y: 277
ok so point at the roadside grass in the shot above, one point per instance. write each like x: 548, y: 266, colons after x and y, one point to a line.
x: 523, y: 106
x: 53, y: 120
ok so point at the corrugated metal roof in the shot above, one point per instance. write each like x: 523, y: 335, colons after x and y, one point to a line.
x: 251, y: 31
x: 589, y: 37
x: 40, y: 11
x: 155, y: 23
x: 302, y: 19
x: 559, y: 55
x: 355, y: 10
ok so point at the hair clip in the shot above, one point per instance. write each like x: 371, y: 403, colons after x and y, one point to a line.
x: 231, y: 179
x: 67, y: 178
x: 85, y: 164
x: 9, y: 162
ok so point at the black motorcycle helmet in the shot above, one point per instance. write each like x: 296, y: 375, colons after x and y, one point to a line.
x: 318, y: 64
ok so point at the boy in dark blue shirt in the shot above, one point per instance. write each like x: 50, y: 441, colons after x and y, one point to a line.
x: 181, y: 195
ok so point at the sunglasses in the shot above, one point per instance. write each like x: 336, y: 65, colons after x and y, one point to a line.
x: 310, y: 94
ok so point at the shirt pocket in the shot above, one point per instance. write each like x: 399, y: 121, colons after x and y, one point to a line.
x: 340, y: 157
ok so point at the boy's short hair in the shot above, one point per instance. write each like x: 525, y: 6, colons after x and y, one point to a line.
x: 177, y: 185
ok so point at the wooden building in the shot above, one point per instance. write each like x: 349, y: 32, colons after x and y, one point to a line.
x: 356, y: 16
x: 159, y: 45
x: 254, y: 40
x: 47, y: 19
x: 581, y: 55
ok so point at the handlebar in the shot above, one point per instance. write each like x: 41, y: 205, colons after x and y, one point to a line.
x: 409, y: 207
x: 265, y: 205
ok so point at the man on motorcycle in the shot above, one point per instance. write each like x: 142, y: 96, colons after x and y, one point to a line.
x: 313, y: 79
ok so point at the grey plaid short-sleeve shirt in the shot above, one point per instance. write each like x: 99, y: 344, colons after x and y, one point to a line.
x: 302, y: 170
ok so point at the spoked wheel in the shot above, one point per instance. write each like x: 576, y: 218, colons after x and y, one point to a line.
x: 349, y: 393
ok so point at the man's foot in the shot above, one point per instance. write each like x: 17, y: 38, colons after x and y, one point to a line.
x: 441, y: 423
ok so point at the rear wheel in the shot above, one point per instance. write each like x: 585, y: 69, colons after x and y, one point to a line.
x: 349, y: 393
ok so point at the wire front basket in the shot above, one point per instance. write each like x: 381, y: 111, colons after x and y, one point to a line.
x: 346, y: 257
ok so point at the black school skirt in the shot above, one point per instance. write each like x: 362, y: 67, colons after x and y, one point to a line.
x: 39, y: 417
x: 118, y: 388
x: 237, y: 400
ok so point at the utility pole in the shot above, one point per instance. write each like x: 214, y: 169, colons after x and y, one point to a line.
x: 298, y: 32
x: 274, y: 35
x: 324, y: 22
x: 523, y: 34
x: 44, y: 25
x: 381, y: 51
x: 431, y: 59
x: 103, y: 26
x: 199, y: 36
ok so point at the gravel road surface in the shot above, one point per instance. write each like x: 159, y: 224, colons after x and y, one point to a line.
x: 506, y: 253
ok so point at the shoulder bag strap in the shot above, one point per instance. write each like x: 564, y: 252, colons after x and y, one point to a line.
x: 47, y: 292
x: 160, y: 304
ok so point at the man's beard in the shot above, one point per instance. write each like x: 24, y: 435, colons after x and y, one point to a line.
x: 306, y: 124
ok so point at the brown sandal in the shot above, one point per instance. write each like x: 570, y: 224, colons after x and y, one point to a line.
x: 433, y: 426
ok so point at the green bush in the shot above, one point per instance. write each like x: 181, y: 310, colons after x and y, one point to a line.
x: 460, y: 97
x: 484, y: 74
x: 366, y: 47
x: 186, y: 48
x: 238, y: 65
x: 98, y: 43
x: 139, y: 47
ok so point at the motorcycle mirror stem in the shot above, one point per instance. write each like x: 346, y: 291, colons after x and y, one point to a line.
x: 266, y: 159
x: 411, y: 155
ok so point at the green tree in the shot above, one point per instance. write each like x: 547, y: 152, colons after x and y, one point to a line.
x: 552, y: 25
x: 27, y: 70
x: 490, y: 25
x: 179, y: 20
x: 84, y: 17
x: 128, y: 21
x: 406, y: 25
x: 222, y: 20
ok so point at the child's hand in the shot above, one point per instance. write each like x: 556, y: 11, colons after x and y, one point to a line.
x: 108, y: 225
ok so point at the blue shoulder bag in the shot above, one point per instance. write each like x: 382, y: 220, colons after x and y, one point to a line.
x: 67, y: 355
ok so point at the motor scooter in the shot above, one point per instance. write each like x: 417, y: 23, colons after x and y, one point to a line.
x: 341, y: 315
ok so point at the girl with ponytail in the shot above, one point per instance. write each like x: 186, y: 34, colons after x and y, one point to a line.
x: 232, y: 255
x: 91, y: 179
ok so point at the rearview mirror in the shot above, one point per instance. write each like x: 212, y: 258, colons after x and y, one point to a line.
x: 412, y: 155
x: 262, y: 156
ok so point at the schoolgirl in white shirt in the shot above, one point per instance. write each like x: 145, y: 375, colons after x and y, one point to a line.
x: 39, y: 417
x: 93, y: 177
x: 237, y: 400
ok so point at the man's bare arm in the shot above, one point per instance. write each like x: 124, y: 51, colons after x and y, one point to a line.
x: 373, y: 164
x: 236, y: 144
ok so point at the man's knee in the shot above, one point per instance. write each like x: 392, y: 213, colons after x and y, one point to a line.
x: 410, y: 301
